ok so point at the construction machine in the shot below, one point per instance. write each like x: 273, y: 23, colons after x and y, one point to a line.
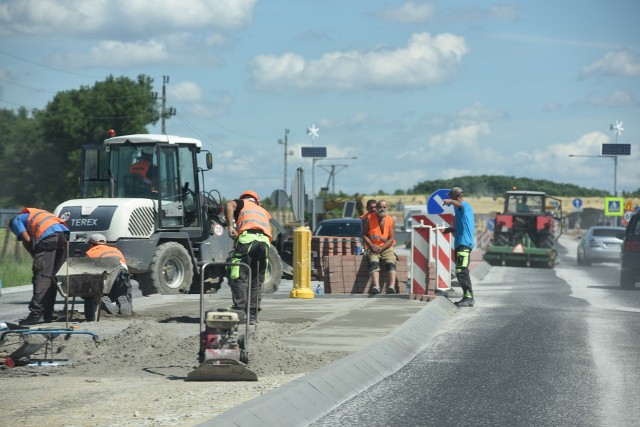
x: 525, y: 233
x: 158, y: 213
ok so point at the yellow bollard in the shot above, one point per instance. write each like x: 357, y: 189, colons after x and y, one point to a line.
x: 301, y: 263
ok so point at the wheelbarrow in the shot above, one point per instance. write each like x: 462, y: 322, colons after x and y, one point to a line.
x: 89, y: 278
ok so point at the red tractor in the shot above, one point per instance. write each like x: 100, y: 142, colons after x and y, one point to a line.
x: 527, y: 230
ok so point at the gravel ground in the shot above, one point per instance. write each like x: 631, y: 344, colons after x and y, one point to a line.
x: 136, y: 376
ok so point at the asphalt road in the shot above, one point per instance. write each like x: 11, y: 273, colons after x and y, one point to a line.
x: 541, y: 347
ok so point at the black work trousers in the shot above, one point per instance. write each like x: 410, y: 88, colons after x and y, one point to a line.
x: 48, y: 256
x: 463, y: 257
x: 255, y: 254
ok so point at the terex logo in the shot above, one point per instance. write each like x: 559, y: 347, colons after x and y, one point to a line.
x: 84, y: 222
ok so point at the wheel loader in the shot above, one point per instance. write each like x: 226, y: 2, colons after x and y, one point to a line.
x: 160, y: 216
x: 525, y: 233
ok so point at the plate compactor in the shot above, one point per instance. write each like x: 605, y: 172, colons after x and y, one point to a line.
x: 223, y: 354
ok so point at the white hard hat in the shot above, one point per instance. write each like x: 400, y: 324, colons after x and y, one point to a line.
x: 97, y: 239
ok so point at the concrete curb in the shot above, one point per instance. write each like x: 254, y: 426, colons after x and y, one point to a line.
x: 306, y: 399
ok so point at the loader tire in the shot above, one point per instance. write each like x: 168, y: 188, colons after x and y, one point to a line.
x: 170, y: 271
x: 274, y: 272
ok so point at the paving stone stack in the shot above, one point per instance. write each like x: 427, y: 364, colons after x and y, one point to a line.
x: 349, y: 274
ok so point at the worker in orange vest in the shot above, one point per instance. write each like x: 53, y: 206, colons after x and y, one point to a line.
x: 45, y: 236
x: 379, y: 233
x: 252, y: 235
x: 119, y: 299
x: 145, y: 168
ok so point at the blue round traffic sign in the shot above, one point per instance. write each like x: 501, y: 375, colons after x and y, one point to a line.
x: 577, y: 203
x: 435, y: 205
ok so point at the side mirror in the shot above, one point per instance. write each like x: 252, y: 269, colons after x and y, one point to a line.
x: 209, y: 161
x: 620, y: 235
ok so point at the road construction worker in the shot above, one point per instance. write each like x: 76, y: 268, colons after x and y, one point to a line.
x: 252, y: 236
x: 379, y: 233
x: 464, y: 229
x: 45, y: 236
x: 119, y: 299
x: 145, y: 168
x: 371, y: 208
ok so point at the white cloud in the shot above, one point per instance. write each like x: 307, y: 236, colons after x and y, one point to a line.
x: 185, y: 91
x: 425, y: 60
x: 480, y: 112
x: 618, y: 98
x: 616, y: 63
x: 506, y: 13
x: 463, y: 139
x: 552, y: 106
x: 148, y: 17
x: 410, y: 12
x: 554, y: 161
x: 116, y: 54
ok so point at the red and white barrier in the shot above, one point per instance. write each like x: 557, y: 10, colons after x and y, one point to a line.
x: 483, y: 239
x: 430, y: 244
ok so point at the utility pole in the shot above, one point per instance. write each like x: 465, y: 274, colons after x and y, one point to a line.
x: 165, y: 113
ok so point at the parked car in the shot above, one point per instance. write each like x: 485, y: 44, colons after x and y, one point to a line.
x: 630, y: 254
x: 340, y: 227
x: 600, y: 244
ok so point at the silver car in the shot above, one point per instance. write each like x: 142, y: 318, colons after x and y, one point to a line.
x: 600, y: 244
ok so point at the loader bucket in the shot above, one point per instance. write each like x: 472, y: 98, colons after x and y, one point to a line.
x: 222, y: 370
x: 526, y: 257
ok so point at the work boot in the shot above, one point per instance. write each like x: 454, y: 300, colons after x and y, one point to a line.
x: 465, y: 302
x: 126, y: 308
x: 109, y: 306
x: 31, y: 319
x: 49, y: 317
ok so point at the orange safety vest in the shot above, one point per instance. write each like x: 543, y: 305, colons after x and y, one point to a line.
x: 38, y: 222
x: 141, y: 168
x: 103, y: 251
x: 377, y: 236
x: 253, y: 217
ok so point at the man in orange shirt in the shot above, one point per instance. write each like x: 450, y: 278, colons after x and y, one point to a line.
x: 379, y: 233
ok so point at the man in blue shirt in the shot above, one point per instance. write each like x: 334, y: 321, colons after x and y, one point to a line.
x: 464, y: 229
x: 45, y: 236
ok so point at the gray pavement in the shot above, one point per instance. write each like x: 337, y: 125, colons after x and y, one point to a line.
x: 382, y: 333
x: 381, y: 348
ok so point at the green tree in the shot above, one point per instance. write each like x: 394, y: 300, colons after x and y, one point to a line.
x: 20, y: 139
x: 83, y: 116
x: 40, y: 154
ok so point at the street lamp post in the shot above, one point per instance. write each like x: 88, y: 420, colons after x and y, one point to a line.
x: 286, y: 153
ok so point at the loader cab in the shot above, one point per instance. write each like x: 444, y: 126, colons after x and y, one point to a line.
x: 156, y: 167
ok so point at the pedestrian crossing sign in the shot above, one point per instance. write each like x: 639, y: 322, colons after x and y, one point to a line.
x: 613, y: 206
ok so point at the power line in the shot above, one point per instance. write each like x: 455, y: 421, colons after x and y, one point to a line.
x: 47, y: 66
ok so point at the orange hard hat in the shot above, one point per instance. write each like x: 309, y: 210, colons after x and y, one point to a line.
x: 250, y: 193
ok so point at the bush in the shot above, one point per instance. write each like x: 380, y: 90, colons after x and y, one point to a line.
x: 15, y: 262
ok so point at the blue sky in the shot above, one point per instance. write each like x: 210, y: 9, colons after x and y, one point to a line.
x: 415, y: 90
